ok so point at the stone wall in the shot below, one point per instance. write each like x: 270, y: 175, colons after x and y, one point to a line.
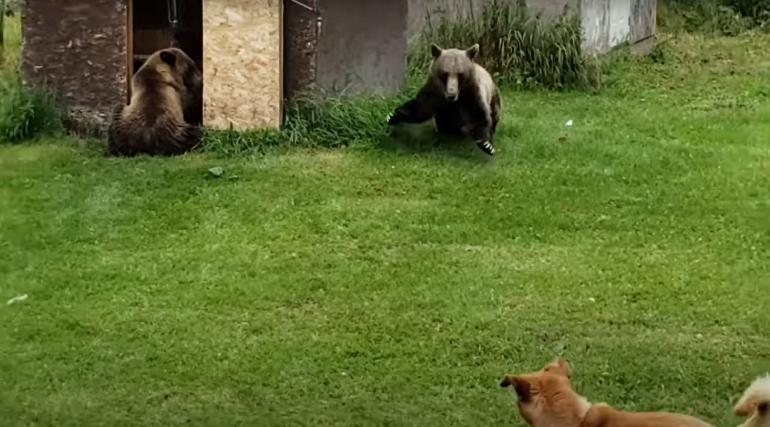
x: 77, y: 50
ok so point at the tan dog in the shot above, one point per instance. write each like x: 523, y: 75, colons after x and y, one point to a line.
x: 546, y: 399
x: 755, y: 404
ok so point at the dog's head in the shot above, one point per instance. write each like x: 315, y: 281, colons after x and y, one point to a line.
x: 755, y: 404
x: 546, y: 398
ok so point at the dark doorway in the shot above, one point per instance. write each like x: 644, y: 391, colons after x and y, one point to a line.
x: 159, y: 24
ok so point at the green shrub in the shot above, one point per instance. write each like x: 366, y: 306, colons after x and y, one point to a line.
x: 517, y: 48
x: 25, y: 112
x: 725, y: 17
x: 759, y: 10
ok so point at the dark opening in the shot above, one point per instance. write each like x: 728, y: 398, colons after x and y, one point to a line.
x: 159, y: 24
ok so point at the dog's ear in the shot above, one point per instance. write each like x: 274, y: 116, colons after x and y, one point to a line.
x: 559, y: 367
x: 507, y: 381
x: 523, y: 389
x: 564, y: 366
x: 520, y: 384
x: 742, y: 410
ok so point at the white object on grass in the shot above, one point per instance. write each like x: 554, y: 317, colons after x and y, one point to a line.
x: 569, y: 123
x: 19, y: 298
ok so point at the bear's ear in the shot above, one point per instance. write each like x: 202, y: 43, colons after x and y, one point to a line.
x: 435, y: 50
x: 169, y: 58
x: 473, y: 51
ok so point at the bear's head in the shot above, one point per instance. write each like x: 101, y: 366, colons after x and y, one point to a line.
x: 452, y: 69
x: 174, y: 67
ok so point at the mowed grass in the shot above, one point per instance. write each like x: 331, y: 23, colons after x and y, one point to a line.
x: 395, y: 284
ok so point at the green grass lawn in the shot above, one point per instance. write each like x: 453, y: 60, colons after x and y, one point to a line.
x: 391, y: 285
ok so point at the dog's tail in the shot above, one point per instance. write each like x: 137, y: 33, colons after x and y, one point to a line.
x: 755, y: 400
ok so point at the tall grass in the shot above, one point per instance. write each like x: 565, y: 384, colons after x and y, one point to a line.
x: 517, y: 48
x: 9, y: 53
x: 25, y: 111
x: 313, y: 121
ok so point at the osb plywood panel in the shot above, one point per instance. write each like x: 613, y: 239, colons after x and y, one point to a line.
x: 77, y: 50
x: 242, y: 63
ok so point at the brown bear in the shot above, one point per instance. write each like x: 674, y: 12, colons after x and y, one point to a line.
x: 166, y: 95
x: 460, y: 96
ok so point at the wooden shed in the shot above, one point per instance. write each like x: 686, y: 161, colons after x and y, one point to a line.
x: 86, y: 51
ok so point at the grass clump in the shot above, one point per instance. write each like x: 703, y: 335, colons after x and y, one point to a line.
x: 519, y: 49
x: 25, y: 111
x: 312, y: 121
x: 335, y: 122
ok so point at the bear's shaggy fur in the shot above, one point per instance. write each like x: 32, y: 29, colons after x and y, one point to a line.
x: 166, y: 94
x: 459, y: 95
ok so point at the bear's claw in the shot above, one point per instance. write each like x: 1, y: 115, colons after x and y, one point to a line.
x: 486, y: 147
